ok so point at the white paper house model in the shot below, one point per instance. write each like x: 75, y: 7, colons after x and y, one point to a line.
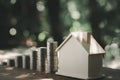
x: 80, y: 56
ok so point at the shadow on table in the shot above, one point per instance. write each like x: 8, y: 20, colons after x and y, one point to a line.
x: 111, y: 74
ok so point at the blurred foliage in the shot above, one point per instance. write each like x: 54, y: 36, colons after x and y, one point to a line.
x: 109, y: 23
x: 101, y: 17
x: 74, y: 15
x: 40, y: 20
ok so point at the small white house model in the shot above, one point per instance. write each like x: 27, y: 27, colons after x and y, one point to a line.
x: 80, y: 56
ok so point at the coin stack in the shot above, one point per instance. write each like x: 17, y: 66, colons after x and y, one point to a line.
x: 52, y: 56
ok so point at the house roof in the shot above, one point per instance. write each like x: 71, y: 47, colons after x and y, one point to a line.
x: 64, y: 42
x: 87, y: 40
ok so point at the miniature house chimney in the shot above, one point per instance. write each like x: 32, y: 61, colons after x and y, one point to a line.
x: 84, y: 38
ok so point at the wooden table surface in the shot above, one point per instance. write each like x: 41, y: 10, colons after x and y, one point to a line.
x: 11, y: 73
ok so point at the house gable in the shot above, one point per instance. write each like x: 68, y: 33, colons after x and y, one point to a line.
x: 82, y: 37
x: 71, y: 53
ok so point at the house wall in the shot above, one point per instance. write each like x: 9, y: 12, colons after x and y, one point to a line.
x: 73, y: 60
x: 95, y: 65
